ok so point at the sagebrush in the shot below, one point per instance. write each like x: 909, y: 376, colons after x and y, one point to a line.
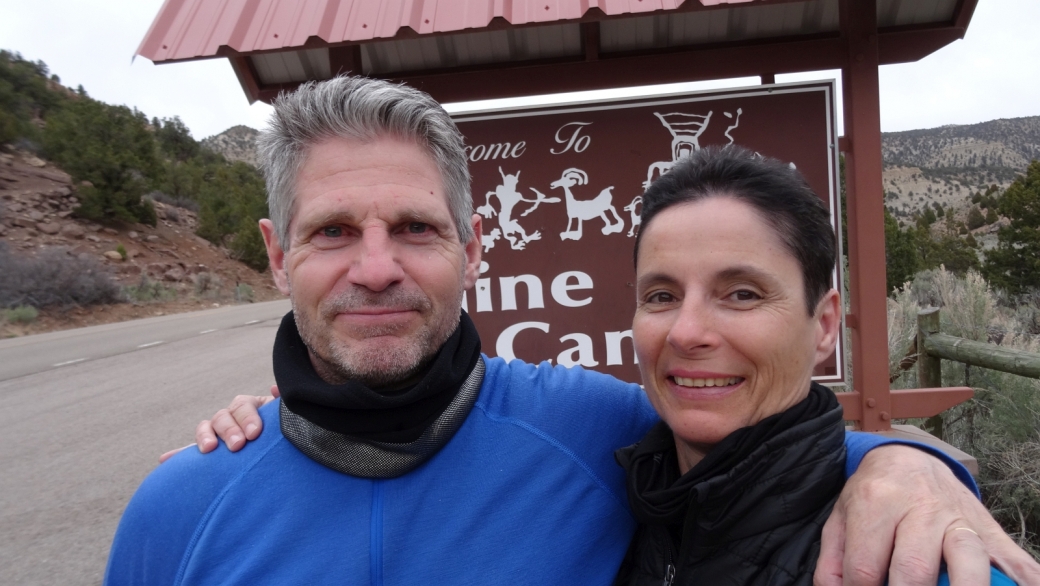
x: 54, y: 277
x: 1000, y: 426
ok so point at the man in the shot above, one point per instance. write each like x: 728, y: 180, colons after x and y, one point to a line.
x: 397, y: 453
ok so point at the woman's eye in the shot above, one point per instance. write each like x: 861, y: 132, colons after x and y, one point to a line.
x: 332, y: 231
x: 744, y: 295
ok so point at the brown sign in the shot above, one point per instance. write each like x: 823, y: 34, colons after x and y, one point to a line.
x: 559, y: 190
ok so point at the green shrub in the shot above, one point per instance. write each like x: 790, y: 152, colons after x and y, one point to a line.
x: 110, y: 147
x: 147, y: 290
x: 206, y: 285
x: 975, y: 219
x: 22, y: 314
x: 121, y: 250
x: 243, y: 293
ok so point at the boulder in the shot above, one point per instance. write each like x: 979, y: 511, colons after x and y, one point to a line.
x: 48, y: 227
x: 23, y: 222
x: 133, y: 234
x: 156, y: 269
x: 36, y: 216
x: 113, y: 255
x: 93, y: 238
x: 175, y: 274
x: 110, y: 231
x: 34, y: 161
x: 151, y: 238
x: 73, y: 231
x: 64, y: 214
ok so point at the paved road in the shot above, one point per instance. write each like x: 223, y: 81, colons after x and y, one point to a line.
x: 32, y: 354
x: 77, y: 439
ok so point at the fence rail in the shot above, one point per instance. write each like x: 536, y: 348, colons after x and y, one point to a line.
x: 933, y: 346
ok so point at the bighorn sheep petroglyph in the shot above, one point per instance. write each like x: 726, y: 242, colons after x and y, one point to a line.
x: 581, y: 210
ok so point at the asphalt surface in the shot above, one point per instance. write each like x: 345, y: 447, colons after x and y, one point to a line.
x: 86, y: 414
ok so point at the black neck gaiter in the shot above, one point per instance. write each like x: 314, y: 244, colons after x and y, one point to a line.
x: 354, y: 409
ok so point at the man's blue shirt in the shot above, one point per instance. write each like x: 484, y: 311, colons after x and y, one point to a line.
x: 526, y: 492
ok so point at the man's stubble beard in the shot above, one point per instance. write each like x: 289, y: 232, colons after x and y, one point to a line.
x: 375, y: 365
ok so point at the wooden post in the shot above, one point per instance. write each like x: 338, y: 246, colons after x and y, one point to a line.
x: 929, y: 368
x: 866, y: 214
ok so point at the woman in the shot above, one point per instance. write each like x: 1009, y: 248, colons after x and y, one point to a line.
x: 734, y: 310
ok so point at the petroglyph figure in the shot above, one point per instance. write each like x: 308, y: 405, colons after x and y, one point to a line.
x: 735, y: 124
x: 508, y: 198
x: 488, y: 240
x: 634, y: 209
x: 686, y: 130
x: 581, y: 210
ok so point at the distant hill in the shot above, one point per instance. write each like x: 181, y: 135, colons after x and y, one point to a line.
x: 947, y: 165
x: 237, y: 143
x: 1010, y: 142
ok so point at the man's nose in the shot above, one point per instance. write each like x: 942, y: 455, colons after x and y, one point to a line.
x: 376, y: 266
x: 694, y: 328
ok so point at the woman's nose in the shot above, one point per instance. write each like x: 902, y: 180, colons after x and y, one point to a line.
x: 376, y: 266
x: 694, y: 328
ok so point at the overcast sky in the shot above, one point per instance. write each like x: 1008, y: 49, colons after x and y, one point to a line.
x: 992, y: 73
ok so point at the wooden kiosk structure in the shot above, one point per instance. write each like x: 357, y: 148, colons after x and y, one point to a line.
x: 460, y: 50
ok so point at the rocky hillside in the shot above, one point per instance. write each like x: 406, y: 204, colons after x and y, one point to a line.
x: 237, y: 143
x: 163, y: 269
x: 947, y: 165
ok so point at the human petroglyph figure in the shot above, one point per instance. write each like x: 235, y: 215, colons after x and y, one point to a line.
x: 686, y: 130
x: 581, y: 210
x: 733, y: 126
x: 508, y: 198
x: 634, y: 209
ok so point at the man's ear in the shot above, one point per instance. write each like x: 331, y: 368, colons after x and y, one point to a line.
x: 474, y: 248
x: 828, y: 324
x: 275, y: 256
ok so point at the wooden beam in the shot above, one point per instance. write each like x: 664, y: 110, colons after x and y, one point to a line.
x: 906, y: 45
x: 611, y: 71
x: 590, y: 40
x: 907, y: 403
x: 247, y: 77
x: 865, y: 214
x: 345, y: 59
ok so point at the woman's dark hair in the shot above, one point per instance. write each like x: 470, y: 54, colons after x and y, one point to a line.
x: 775, y: 189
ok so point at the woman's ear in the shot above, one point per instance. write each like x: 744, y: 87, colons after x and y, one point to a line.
x: 828, y: 324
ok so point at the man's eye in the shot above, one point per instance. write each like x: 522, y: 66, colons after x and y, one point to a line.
x: 332, y: 231
x: 660, y: 297
x: 418, y: 228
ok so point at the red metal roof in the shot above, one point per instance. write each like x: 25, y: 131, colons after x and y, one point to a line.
x: 192, y: 29
x: 477, y: 49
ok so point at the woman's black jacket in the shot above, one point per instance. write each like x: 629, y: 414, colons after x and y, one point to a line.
x: 750, y: 513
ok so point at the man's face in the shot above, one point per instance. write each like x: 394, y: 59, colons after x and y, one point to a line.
x: 375, y: 268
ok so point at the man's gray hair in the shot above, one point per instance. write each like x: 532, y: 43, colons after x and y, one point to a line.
x: 359, y: 108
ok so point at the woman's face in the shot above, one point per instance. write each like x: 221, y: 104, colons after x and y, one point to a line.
x: 721, y: 328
